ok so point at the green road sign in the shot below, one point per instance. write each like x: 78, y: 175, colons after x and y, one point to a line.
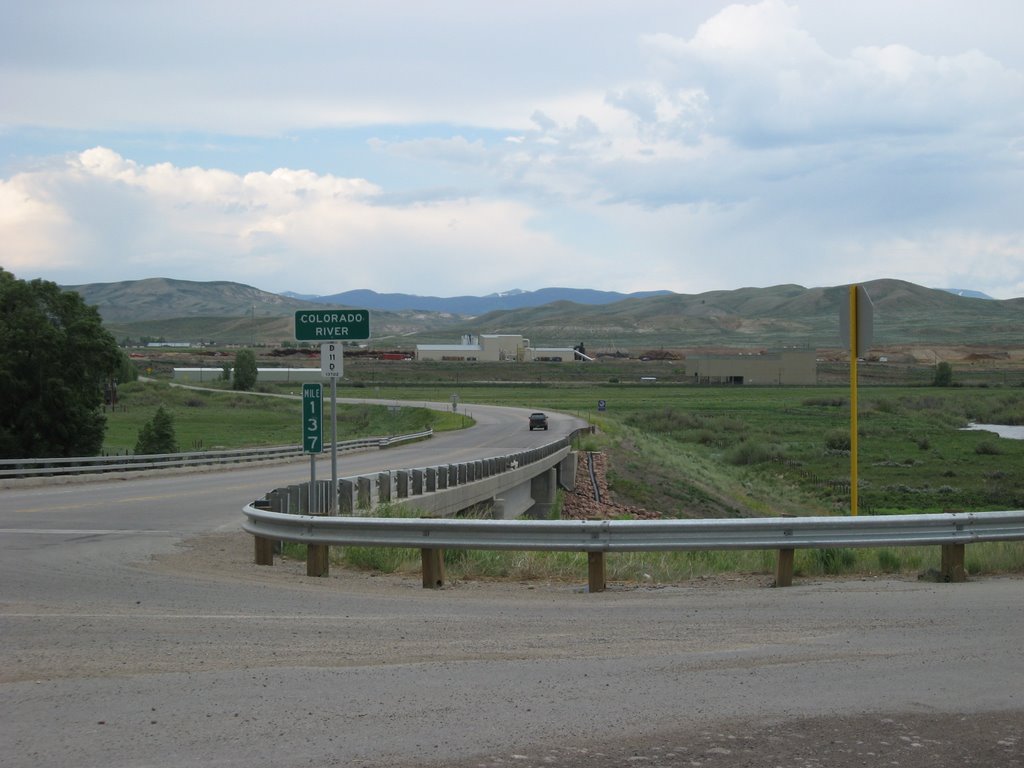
x: 332, y: 324
x: 312, y: 418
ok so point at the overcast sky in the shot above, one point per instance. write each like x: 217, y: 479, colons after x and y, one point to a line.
x: 467, y: 147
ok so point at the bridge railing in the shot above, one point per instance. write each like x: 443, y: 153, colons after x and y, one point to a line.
x: 94, y: 464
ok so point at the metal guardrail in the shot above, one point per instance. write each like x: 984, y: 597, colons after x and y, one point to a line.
x: 93, y: 464
x: 951, y: 531
x: 640, y: 535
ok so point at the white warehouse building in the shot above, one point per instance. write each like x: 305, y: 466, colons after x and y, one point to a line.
x: 493, y: 348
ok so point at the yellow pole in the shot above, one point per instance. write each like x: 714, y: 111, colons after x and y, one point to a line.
x: 853, y: 400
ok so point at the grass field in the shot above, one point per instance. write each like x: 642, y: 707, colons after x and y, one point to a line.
x: 711, y: 452
x: 691, y: 451
x: 223, y: 420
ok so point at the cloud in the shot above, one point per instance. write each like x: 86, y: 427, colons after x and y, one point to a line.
x: 762, y: 79
x: 479, y: 147
x: 122, y: 220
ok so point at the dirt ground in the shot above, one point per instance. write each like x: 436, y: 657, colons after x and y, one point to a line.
x: 994, y: 740
x: 907, y: 740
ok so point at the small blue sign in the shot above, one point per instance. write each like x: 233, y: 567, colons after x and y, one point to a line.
x: 601, y: 405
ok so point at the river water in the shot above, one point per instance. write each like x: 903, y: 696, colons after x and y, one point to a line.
x: 1013, y: 433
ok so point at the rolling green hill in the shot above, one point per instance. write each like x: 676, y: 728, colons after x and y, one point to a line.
x: 221, y: 312
x: 904, y: 313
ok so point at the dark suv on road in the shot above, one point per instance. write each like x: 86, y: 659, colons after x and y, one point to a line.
x: 538, y: 421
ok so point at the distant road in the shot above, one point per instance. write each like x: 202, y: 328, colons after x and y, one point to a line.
x: 137, y: 631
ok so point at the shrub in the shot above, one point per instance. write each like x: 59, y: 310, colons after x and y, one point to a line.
x: 749, y: 452
x: 837, y: 440
x: 885, y: 406
x: 987, y: 448
x: 834, y: 402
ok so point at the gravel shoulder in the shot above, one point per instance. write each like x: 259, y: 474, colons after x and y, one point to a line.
x: 200, y: 657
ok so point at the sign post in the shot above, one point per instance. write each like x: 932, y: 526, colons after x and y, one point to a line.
x: 332, y: 358
x: 856, y: 321
x: 331, y: 327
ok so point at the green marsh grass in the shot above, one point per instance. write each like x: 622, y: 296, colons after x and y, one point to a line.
x: 205, y: 420
x: 690, y: 451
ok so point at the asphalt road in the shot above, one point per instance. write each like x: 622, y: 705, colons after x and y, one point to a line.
x: 137, y: 632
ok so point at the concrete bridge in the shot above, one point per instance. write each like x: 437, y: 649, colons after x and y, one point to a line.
x: 517, y: 484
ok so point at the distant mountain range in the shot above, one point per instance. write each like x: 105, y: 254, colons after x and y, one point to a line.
x: 471, y: 305
x: 782, y: 315
x: 967, y: 293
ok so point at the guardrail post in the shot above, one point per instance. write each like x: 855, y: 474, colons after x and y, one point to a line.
x: 596, y: 580
x: 402, y: 484
x: 264, y: 547
x: 417, y: 482
x: 325, y: 503
x: 430, y: 477
x: 384, y: 488
x: 318, y: 560
x: 433, y: 568
x: 279, y: 499
x: 442, y: 478
x: 784, y: 568
x: 952, y: 564
x: 317, y: 555
x: 363, y: 492
x: 346, y: 497
x: 264, y: 551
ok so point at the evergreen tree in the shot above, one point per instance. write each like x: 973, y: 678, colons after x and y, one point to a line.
x: 126, y: 370
x: 157, y: 434
x: 245, y: 370
x: 55, y: 358
x: 943, y: 375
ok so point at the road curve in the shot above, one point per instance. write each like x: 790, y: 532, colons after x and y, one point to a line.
x: 137, y: 631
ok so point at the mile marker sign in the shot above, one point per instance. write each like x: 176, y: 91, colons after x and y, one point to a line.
x: 332, y: 324
x: 312, y: 423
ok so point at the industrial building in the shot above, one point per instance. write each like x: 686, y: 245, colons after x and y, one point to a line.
x: 785, y: 367
x: 493, y: 348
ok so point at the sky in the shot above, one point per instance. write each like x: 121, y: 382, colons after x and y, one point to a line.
x: 466, y: 147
